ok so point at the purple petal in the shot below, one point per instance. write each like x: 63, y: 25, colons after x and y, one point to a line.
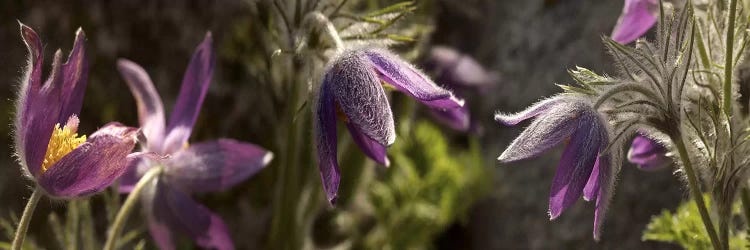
x: 131, y: 175
x: 411, y: 81
x: 533, y: 111
x: 359, y: 94
x: 457, y: 118
x: 161, y: 234
x: 370, y: 147
x: 554, y: 125
x: 326, y: 143
x: 93, y: 166
x: 194, y: 87
x: 216, y: 165
x: 137, y: 165
x: 638, y: 16
x: 150, y: 107
x: 75, y: 77
x: 591, y: 190
x: 39, y: 106
x: 172, y: 210
x: 647, y: 154
x: 575, y: 167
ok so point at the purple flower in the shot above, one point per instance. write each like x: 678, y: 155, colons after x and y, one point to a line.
x: 457, y: 70
x: 461, y: 73
x: 352, y: 90
x: 189, y: 168
x: 63, y: 163
x: 638, y: 16
x: 585, y: 168
x: 647, y: 154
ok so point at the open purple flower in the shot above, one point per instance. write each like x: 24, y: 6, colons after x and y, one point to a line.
x: 64, y: 164
x: 585, y: 168
x: 189, y: 168
x: 352, y: 90
x: 638, y: 16
x: 647, y: 154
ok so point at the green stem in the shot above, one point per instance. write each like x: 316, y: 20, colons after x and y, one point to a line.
x: 283, y: 230
x: 23, y: 225
x: 122, y: 215
x: 696, y: 193
x: 728, y: 58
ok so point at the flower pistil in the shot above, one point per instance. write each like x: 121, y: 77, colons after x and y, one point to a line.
x: 63, y: 141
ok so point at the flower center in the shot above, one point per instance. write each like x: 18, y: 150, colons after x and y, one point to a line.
x: 62, y: 142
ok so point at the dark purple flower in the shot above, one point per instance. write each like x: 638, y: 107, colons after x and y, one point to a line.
x: 189, y: 168
x: 64, y: 164
x: 638, y: 16
x: 647, y: 154
x: 585, y: 168
x: 352, y: 90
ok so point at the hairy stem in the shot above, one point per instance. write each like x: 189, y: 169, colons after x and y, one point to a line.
x: 696, y: 192
x: 122, y: 215
x: 728, y: 58
x: 23, y: 225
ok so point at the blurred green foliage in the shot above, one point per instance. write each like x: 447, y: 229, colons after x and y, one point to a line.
x: 685, y: 228
x: 429, y: 186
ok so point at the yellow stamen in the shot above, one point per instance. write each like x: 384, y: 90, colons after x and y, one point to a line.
x: 62, y: 142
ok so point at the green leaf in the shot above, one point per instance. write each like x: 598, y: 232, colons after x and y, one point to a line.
x: 685, y: 228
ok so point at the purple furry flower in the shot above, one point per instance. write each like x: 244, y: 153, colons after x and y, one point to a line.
x: 352, y: 89
x: 585, y: 169
x: 188, y: 168
x: 64, y: 164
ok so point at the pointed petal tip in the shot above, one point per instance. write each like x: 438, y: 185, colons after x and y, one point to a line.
x: 553, y: 214
x: 505, y: 157
x: 208, y: 39
x: 387, y: 162
x: 333, y: 199
x: 80, y: 34
x: 267, y: 158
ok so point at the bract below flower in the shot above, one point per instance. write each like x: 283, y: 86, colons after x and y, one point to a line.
x: 188, y: 168
x: 352, y: 90
x: 585, y: 169
x: 64, y: 164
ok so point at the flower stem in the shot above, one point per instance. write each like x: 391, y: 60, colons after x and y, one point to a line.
x: 728, y: 58
x: 122, y: 215
x: 696, y: 193
x: 23, y: 225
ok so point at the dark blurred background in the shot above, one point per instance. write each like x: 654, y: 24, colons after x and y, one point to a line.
x: 530, y: 43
